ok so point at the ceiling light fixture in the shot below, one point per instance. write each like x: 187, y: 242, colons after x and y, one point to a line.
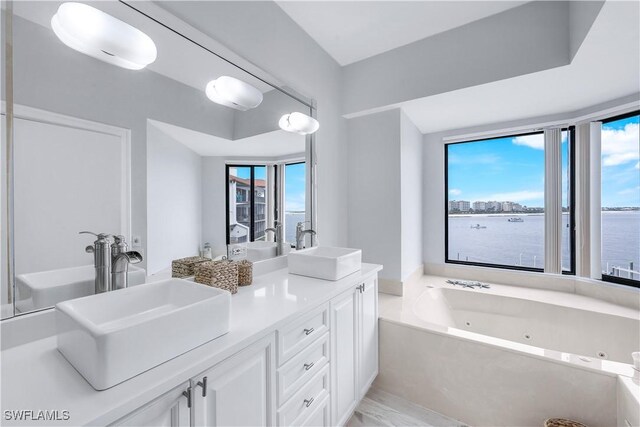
x: 234, y: 93
x: 97, y: 34
x: 298, y: 123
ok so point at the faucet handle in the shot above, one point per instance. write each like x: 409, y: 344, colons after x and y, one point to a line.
x: 118, y: 238
x: 100, y: 236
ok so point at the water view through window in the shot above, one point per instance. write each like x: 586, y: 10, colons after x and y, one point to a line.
x: 496, y: 201
x: 621, y: 198
x: 294, y: 198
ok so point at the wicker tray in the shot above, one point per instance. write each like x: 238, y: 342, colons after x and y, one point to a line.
x: 245, y: 272
x: 561, y: 422
x: 185, y: 267
x: 219, y: 274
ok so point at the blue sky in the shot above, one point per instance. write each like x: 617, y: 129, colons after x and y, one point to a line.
x: 294, y: 184
x: 513, y: 168
x: 620, y: 168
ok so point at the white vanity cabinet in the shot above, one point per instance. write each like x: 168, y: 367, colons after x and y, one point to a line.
x: 239, y: 391
x: 169, y: 410
x: 354, y: 347
x: 311, y: 371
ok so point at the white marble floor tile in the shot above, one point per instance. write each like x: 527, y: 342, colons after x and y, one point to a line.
x: 381, y: 409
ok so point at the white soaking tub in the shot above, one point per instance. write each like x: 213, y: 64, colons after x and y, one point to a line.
x: 508, y: 355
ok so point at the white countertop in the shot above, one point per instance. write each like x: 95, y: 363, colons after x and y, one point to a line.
x: 35, y: 376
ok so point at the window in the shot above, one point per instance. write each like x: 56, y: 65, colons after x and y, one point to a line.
x: 247, y: 192
x: 294, y: 198
x: 495, y: 202
x: 620, y: 199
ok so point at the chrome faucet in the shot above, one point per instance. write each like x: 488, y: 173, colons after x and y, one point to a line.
x: 111, y: 261
x: 277, y: 231
x: 121, y: 257
x: 300, y: 233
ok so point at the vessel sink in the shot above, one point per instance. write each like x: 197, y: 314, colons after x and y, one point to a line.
x: 257, y: 251
x: 46, y: 288
x: 111, y: 337
x: 325, y: 262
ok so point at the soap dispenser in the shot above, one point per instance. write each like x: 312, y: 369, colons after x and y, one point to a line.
x: 206, y: 251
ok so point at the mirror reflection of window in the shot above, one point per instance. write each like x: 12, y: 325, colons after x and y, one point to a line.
x: 294, y: 198
x: 239, y: 204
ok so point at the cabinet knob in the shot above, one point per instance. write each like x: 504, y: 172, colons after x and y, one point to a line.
x: 203, y: 384
x: 308, y: 331
x: 308, y: 402
x: 308, y: 366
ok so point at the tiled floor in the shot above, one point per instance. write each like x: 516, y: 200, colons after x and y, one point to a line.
x: 379, y: 408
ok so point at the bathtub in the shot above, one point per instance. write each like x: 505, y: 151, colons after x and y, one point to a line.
x: 509, y: 355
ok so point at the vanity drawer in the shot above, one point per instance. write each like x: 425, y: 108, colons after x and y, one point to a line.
x: 320, y: 417
x: 301, y: 332
x: 305, y: 402
x: 304, y: 365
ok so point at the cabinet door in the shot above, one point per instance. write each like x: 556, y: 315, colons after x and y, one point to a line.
x: 169, y: 410
x: 239, y: 391
x: 343, y: 356
x: 368, y: 335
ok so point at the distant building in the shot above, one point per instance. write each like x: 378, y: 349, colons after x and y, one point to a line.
x: 493, y: 206
x: 240, y: 207
x: 459, y: 206
x: 479, y: 206
x: 507, y: 206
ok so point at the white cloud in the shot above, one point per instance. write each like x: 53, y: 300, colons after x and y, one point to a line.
x: 455, y: 192
x: 634, y: 190
x: 517, y: 196
x: 532, y: 141
x: 620, y: 146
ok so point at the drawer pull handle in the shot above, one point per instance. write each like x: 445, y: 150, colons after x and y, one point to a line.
x: 308, y: 331
x: 308, y: 402
x: 308, y: 366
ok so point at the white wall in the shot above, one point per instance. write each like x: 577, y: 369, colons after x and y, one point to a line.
x: 174, y: 206
x: 374, y: 191
x: 267, y: 37
x: 214, y: 218
x: 411, y: 194
x: 82, y: 192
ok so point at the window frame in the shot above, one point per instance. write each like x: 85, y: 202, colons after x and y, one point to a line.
x: 571, y: 198
x: 607, y: 277
x: 252, y: 196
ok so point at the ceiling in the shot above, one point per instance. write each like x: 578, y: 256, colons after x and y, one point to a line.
x: 270, y: 144
x: 606, y: 67
x: 178, y: 58
x: 354, y: 30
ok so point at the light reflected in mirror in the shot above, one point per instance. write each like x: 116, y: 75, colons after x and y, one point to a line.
x: 141, y: 154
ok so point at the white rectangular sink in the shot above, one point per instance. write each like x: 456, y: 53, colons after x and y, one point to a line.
x: 325, y: 262
x: 44, y: 289
x: 114, y: 336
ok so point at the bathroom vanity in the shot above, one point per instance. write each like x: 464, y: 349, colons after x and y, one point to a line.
x: 300, y: 351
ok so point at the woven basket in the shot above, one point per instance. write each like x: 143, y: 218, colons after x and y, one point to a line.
x: 561, y: 422
x: 245, y: 272
x: 185, y: 267
x: 219, y: 274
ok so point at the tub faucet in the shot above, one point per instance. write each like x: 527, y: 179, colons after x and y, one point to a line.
x: 469, y: 284
x: 300, y: 233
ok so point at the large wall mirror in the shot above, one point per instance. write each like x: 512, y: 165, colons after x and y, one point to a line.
x: 89, y: 145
